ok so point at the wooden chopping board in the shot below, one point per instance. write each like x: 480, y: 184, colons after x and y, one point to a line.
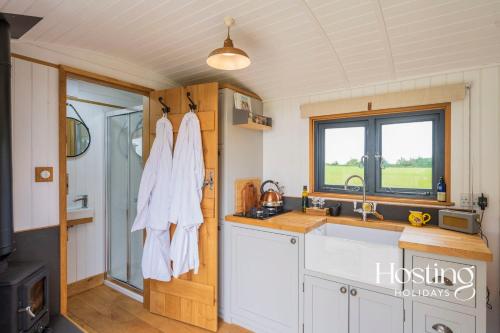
x: 246, y: 193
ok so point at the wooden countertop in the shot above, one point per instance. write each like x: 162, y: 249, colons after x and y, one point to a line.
x: 292, y: 221
x: 430, y: 239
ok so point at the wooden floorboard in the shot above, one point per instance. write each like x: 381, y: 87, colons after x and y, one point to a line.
x: 104, y: 310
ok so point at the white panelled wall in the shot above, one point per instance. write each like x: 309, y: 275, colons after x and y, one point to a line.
x: 286, y: 147
x: 34, y: 143
x: 86, y: 175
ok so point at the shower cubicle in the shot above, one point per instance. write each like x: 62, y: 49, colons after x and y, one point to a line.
x: 124, y: 168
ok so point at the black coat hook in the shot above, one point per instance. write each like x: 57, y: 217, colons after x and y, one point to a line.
x: 165, y: 109
x: 192, y: 105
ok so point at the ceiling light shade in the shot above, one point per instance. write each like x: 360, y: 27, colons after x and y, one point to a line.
x: 228, y: 57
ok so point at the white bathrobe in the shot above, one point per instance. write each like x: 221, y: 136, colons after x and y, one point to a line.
x: 188, y: 174
x: 153, y: 205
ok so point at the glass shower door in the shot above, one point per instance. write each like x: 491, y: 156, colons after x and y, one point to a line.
x: 124, y: 169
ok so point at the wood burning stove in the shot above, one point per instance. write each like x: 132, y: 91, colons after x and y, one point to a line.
x: 24, y: 291
x: 24, y: 286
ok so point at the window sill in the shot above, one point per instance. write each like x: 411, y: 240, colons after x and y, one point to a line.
x: 385, y: 200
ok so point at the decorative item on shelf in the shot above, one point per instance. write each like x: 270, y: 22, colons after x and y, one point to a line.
x: 418, y: 219
x: 441, y: 190
x: 317, y: 211
x: 245, y: 119
x: 228, y: 57
x: 242, y: 102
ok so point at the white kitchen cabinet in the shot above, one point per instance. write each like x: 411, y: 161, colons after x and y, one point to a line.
x: 265, y: 279
x: 452, y: 298
x: 332, y: 307
x: 372, y: 312
x: 428, y: 318
x: 326, y: 306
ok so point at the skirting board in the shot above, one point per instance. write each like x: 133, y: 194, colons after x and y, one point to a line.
x: 85, y: 284
x: 124, y: 291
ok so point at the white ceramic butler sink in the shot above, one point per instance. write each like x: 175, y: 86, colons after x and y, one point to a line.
x: 353, y: 253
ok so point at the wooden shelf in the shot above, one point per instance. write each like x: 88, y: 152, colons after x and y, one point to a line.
x: 255, y: 126
x: 243, y: 118
x: 72, y: 223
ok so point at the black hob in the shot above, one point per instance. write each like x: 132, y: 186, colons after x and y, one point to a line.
x: 263, y: 213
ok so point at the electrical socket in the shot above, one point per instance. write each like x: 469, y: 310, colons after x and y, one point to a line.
x: 466, y: 200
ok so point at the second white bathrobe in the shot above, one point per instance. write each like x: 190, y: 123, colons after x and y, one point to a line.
x: 188, y: 174
x: 153, y: 205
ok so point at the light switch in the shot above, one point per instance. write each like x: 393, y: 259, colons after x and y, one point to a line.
x: 44, y: 174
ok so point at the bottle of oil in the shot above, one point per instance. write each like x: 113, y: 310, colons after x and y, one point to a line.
x: 441, y: 190
x: 305, y: 198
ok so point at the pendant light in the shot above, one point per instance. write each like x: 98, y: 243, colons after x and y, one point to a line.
x: 228, y: 57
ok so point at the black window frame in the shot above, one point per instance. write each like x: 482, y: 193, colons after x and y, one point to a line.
x: 373, y: 145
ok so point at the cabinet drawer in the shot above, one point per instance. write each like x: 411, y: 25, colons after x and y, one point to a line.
x: 445, y: 280
x: 432, y: 319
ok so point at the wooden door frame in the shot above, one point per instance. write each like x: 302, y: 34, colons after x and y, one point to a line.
x: 66, y: 72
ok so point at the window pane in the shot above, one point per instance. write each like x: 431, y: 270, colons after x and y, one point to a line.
x: 407, y: 155
x: 344, y: 148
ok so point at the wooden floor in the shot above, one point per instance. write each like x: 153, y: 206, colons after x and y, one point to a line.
x: 103, y: 310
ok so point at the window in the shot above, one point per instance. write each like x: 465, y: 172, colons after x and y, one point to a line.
x: 398, y: 155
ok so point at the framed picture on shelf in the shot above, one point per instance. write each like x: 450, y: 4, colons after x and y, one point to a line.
x: 242, y: 102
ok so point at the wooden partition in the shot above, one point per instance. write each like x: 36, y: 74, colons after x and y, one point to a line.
x: 193, y: 297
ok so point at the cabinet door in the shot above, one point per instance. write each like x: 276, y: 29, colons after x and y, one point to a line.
x: 326, y: 308
x: 428, y: 318
x: 371, y: 312
x: 265, y: 278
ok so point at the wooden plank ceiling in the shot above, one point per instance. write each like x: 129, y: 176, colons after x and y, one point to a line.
x: 296, y: 46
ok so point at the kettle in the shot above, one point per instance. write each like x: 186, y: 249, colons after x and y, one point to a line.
x: 271, y: 198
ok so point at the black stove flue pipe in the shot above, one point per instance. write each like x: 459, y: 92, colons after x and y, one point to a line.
x: 6, y: 216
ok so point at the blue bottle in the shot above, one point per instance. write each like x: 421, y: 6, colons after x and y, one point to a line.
x: 441, y: 190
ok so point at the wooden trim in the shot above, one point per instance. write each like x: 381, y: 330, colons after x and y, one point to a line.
x: 146, y: 144
x: 34, y: 60
x: 312, y: 163
x: 408, y: 98
x: 64, y: 73
x: 446, y: 106
x: 382, y: 199
x: 72, y: 223
x: 88, y: 101
x: 240, y: 90
x: 63, y: 229
x: 38, y: 174
x: 447, y: 154
x: 85, y: 284
x: 105, y: 80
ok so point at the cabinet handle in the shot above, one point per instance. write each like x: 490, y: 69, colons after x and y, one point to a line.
x: 353, y: 292
x: 343, y: 290
x: 441, y: 328
x: 293, y: 241
x: 446, y: 281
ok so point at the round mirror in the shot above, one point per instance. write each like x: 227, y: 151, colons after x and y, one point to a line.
x: 78, y: 137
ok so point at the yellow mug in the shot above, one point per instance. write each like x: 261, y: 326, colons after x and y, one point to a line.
x: 418, y: 219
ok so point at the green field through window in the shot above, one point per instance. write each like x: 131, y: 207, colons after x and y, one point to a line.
x: 393, y: 177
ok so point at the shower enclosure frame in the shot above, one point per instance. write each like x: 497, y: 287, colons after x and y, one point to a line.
x: 107, y: 229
